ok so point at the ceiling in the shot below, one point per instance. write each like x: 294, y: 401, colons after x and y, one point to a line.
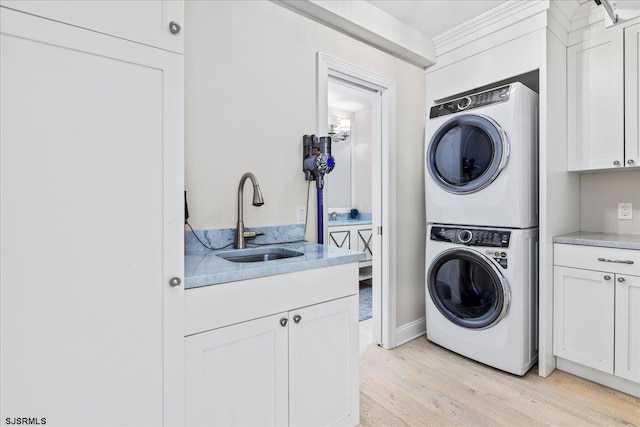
x: 434, y: 17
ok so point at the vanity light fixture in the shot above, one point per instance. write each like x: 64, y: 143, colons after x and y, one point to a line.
x: 339, y: 128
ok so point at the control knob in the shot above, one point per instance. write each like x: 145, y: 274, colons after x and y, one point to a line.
x: 464, y: 103
x: 465, y: 236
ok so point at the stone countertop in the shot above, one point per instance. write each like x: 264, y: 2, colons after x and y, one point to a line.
x: 605, y: 240
x: 203, y: 268
x: 344, y: 219
x: 348, y: 222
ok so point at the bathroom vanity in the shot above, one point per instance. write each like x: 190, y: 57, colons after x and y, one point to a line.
x: 354, y: 234
x: 272, y: 343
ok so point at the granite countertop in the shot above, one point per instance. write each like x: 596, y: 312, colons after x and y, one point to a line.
x: 605, y: 240
x: 203, y: 268
x: 347, y: 222
x: 344, y: 219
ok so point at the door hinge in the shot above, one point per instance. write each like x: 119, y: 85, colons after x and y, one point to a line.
x: 380, y: 230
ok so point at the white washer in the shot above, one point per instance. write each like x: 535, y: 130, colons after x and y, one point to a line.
x: 482, y: 158
x: 482, y: 294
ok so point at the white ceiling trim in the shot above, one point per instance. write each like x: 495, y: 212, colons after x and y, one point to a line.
x: 488, y: 22
x: 370, y: 24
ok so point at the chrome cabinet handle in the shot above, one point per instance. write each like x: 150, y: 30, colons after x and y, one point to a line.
x: 174, y: 282
x: 617, y: 261
x: 297, y: 318
x: 621, y: 279
x: 174, y: 27
x: 607, y: 277
x: 616, y: 163
x: 630, y: 162
x: 284, y: 321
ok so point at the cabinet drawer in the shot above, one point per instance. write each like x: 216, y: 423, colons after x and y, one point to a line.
x: 211, y: 307
x: 620, y: 261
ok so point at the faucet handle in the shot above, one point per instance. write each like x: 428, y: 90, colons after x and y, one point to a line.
x: 252, y: 234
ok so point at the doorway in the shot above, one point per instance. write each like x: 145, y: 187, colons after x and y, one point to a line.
x: 377, y: 93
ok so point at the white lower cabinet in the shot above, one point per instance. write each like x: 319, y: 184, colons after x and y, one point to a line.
x: 584, y: 317
x: 237, y: 375
x: 597, y: 313
x: 322, y: 340
x: 627, y: 321
x: 297, y: 366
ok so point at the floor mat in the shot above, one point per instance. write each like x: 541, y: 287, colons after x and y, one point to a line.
x: 365, y: 303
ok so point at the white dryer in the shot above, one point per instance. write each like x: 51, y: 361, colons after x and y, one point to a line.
x: 482, y: 294
x: 482, y: 158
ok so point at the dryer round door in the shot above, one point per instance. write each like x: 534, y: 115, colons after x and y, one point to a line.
x: 467, y: 153
x: 467, y: 288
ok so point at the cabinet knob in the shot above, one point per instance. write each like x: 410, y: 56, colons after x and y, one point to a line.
x: 616, y: 163
x: 284, y: 321
x: 621, y: 279
x: 297, y: 318
x: 175, y: 282
x: 607, y: 277
x: 630, y: 162
x: 174, y: 27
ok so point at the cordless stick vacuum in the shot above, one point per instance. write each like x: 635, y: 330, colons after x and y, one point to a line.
x: 317, y: 162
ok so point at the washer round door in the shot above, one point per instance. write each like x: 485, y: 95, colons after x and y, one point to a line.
x: 468, y: 289
x: 467, y: 153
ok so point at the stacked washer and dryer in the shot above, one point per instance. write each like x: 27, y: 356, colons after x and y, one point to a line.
x: 482, y: 236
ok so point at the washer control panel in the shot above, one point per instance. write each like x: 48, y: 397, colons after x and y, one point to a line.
x: 469, y: 102
x: 472, y: 237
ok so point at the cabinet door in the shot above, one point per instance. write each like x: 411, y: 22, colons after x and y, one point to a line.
x: 142, y: 21
x: 595, y: 70
x: 237, y: 375
x: 91, y: 220
x: 632, y: 90
x: 583, y: 315
x: 323, y: 364
x: 628, y: 327
x: 363, y: 242
x: 340, y: 237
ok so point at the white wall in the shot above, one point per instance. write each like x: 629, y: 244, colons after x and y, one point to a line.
x: 250, y: 78
x: 338, y: 183
x: 362, y: 145
x: 600, y: 194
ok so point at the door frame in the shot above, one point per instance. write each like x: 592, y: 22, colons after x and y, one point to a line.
x: 383, y: 180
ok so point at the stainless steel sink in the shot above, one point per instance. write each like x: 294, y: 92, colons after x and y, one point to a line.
x: 259, y: 254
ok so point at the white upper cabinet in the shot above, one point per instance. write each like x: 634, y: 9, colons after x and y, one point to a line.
x: 632, y: 88
x: 155, y: 23
x: 602, y: 89
x: 595, y: 92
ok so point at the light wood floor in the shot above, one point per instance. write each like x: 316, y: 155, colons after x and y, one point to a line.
x: 422, y: 384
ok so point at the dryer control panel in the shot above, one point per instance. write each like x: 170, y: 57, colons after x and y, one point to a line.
x: 469, y: 102
x: 472, y: 236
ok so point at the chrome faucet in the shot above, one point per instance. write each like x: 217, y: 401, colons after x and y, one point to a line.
x: 241, y: 235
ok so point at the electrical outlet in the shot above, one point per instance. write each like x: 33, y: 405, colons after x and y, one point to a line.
x: 625, y: 211
x: 301, y: 214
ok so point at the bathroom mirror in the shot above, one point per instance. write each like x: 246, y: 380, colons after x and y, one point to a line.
x: 350, y: 126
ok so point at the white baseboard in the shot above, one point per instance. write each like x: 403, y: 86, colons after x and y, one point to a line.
x: 411, y: 331
x: 624, y: 385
